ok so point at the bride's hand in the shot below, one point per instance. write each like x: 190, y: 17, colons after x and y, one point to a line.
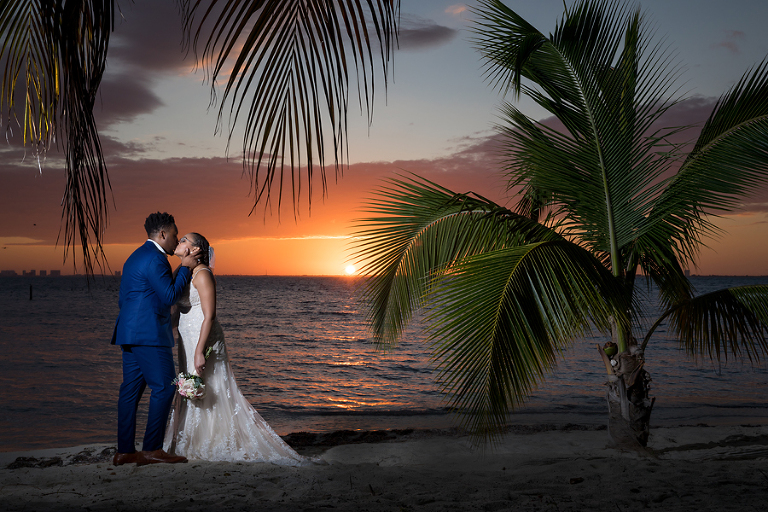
x: 199, y: 363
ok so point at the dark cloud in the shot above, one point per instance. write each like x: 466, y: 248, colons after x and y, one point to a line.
x: 148, y: 38
x: 15, y: 155
x: 124, y: 97
x: 474, y: 167
x: 145, y: 46
x: 693, y: 111
x: 757, y: 204
x: 416, y: 33
x: 116, y: 149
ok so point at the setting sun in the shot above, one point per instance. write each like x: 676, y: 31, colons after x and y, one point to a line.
x: 350, y: 270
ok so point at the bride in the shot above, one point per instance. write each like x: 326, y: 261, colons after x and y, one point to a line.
x: 222, y: 425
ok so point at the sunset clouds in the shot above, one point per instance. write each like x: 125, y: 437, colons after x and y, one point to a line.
x: 435, y: 120
x: 211, y: 196
x: 456, y: 9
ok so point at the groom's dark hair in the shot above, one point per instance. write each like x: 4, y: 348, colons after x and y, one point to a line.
x: 157, y: 221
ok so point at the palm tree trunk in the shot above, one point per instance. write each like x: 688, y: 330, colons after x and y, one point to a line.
x: 629, y: 403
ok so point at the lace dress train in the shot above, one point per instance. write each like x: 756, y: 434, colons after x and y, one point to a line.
x: 221, y: 426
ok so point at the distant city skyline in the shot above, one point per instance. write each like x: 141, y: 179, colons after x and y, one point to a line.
x: 436, y: 120
x: 31, y: 273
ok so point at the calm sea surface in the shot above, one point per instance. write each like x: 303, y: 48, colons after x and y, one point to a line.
x: 303, y: 357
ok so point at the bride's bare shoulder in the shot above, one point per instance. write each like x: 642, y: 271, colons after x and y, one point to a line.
x: 203, y: 276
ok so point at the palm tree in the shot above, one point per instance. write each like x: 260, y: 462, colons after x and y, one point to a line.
x: 291, y: 62
x: 599, y: 201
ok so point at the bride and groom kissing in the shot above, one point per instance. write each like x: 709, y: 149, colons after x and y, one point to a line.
x: 220, y: 426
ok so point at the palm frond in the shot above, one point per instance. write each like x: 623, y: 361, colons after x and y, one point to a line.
x: 499, y: 319
x: 732, y: 320
x: 503, y: 293
x: 417, y: 229
x: 55, y: 53
x: 658, y: 258
x: 603, y: 80
x: 728, y: 163
x: 292, y: 61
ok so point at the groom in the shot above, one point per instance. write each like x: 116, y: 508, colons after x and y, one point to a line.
x: 143, y: 331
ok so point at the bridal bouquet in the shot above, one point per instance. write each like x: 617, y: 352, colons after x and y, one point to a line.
x: 190, y: 386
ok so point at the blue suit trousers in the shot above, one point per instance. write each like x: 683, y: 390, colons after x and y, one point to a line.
x: 145, y: 366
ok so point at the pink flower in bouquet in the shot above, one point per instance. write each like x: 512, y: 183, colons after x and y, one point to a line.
x: 190, y: 386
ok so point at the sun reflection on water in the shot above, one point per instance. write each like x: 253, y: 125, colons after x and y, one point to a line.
x: 302, y: 355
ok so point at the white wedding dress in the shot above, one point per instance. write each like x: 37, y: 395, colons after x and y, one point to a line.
x: 221, y: 426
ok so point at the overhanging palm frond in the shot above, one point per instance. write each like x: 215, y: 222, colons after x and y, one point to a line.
x: 28, y: 59
x: 731, y: 320
x: 291, y: 66
x: 499, y: 319
x: 55, y: 53
x: 419, y: 228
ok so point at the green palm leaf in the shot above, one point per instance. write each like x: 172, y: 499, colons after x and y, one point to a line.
x: 603, y: 81
x: 656, y: 255
x: 732, y: 320
x: 419, y: 228
x: 503, y: 296
x: 499, y: 319
x: 728, y: 162
x: 290, y: 79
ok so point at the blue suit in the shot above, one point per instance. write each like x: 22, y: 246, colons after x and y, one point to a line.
x: 144, y: 332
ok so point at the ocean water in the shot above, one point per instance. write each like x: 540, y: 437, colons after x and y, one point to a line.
x: 303, y: 356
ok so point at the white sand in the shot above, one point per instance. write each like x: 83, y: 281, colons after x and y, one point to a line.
x: 693, y: 468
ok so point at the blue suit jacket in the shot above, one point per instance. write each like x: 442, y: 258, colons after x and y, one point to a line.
x: 147, y: 292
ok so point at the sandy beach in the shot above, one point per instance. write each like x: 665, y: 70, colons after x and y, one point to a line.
x: 540, y: 467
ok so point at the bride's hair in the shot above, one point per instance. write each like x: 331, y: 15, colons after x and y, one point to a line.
x: 202, y: 243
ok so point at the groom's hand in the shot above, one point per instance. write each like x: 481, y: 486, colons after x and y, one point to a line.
x: 190, y: 260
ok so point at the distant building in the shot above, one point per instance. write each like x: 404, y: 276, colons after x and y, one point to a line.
x: 43, y: 273
x: 117, y: 273
x: 31, y: 273
x: 8, y: 273
x: 687, y: 273
x: 55, y: 273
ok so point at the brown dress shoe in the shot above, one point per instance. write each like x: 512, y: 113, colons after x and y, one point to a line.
x: 125, y: 458
x: 158, y: 457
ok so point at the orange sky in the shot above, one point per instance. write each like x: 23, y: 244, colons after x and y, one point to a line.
x: 217, y: 205
x: 211, y: 197
x: 742, y: 252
